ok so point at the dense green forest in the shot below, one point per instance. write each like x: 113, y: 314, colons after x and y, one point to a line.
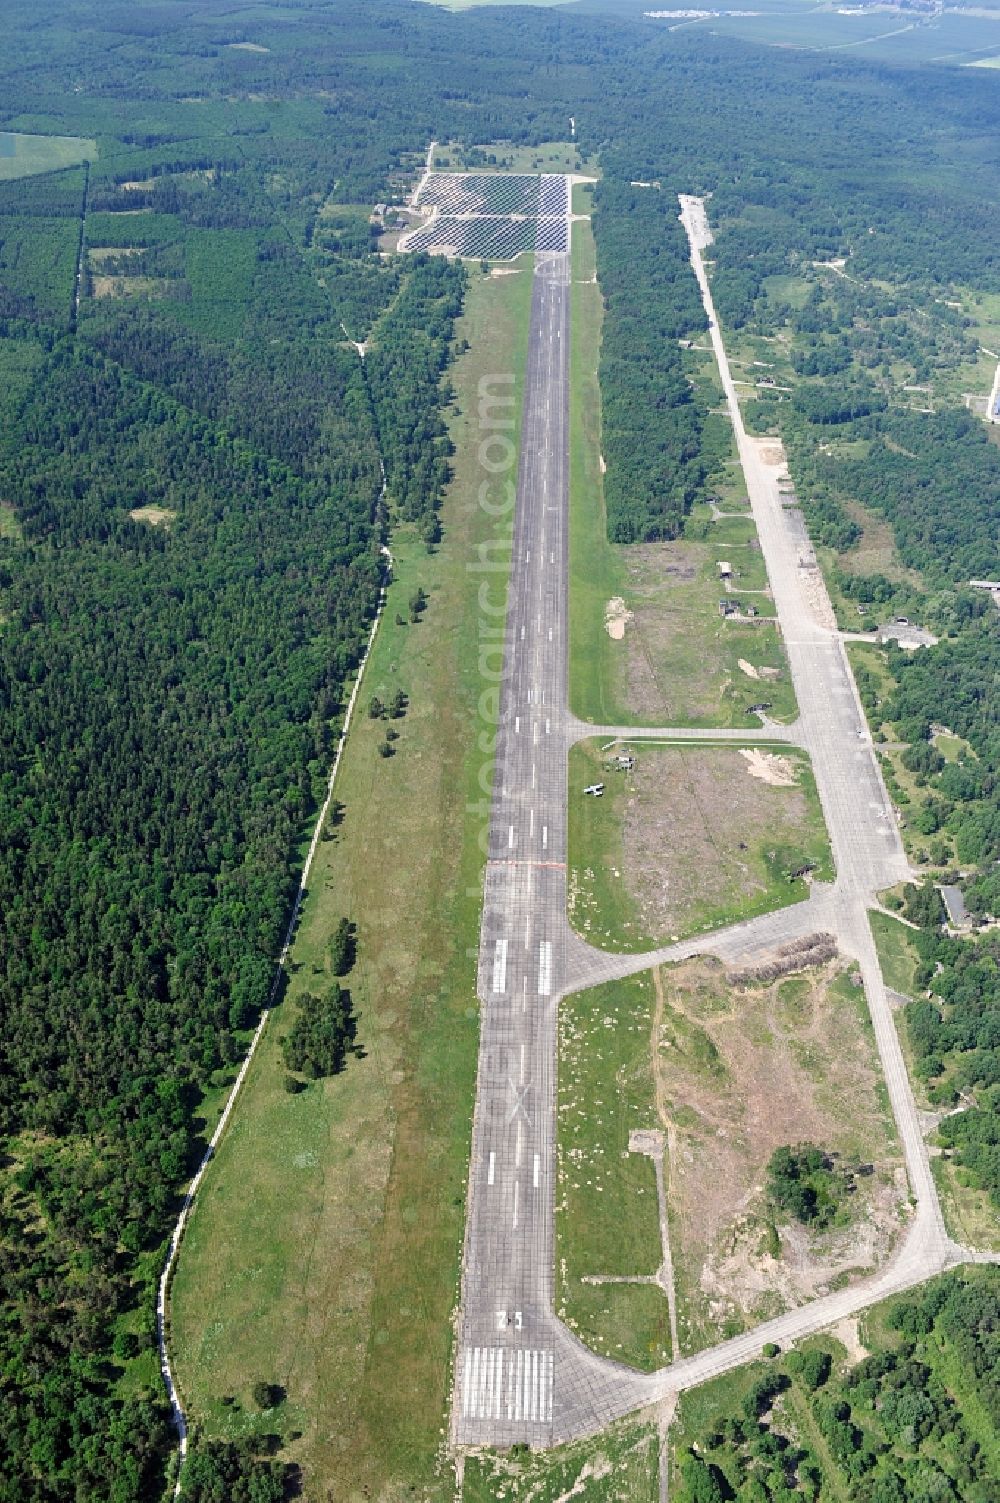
x: 192, y: 460
x: 914, y: 1421
x: 651, y: 423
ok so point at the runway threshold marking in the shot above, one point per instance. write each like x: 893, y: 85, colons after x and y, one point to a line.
x: 516, y: 1385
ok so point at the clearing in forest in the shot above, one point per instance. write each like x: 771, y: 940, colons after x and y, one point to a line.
x: 23, y: 155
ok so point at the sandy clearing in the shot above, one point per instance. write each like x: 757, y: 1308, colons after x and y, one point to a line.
x: 847, y: 1332
x: 739, y: 1072
x: 616, y: 617
x: 780, y: 772
x: 156, y: 516
x: 747, y: 668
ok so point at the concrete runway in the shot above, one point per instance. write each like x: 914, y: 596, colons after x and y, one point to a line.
x: 520, y: 1375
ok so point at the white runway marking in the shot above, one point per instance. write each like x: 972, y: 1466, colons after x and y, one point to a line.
x: 545, y: 837
x: 517, y: 1187
x: 500, y: 965
x: 491, y: 1169
x: 535, y: 1172
x: 515, y: 1385
x: 548, y: 727
x: 510, y: 838
x: 544, y: 968
x: 517, y: 725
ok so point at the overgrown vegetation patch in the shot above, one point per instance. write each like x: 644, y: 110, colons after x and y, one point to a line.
x: 731, y: 1075
x: 687, y: 838
x: 914, y: 1416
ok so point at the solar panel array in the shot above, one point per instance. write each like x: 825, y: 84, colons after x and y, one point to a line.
x: 491, y: 216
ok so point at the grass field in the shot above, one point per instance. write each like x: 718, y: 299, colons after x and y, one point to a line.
x: 676, y: 661
x: 690, y: 839
x: 596, y: 570
x: 324, y: 1251
x: 23, y: 155
x: 607, y: 1220
x: 619, y: 1466
x: 969, y: 1213
x: 727, y: 1074
x: 896, y: 952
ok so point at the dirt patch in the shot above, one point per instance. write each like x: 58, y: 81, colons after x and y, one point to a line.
x: 600, y: 458
x: 848, y: 1333
x: 616, y: 618
x: 246, y: 47
x: 693, y: 826
x: 740, y: 1072
x: 505, y: 271
x: 779, y: 772
x: 748, y: 668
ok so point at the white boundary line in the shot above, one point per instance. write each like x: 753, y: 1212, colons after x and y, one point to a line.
x: 166, y: 1371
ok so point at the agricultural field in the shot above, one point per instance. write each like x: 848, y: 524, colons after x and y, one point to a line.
x: 336, y: 1276
x: 727, y: 1072
x: 690, y: 838
x: 25, y: 155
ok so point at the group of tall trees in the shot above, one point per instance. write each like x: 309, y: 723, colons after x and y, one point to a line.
x: 651, y: 425
x: 915, y: 1421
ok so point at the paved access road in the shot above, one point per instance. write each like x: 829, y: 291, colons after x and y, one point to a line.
x: 520, y: 1374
